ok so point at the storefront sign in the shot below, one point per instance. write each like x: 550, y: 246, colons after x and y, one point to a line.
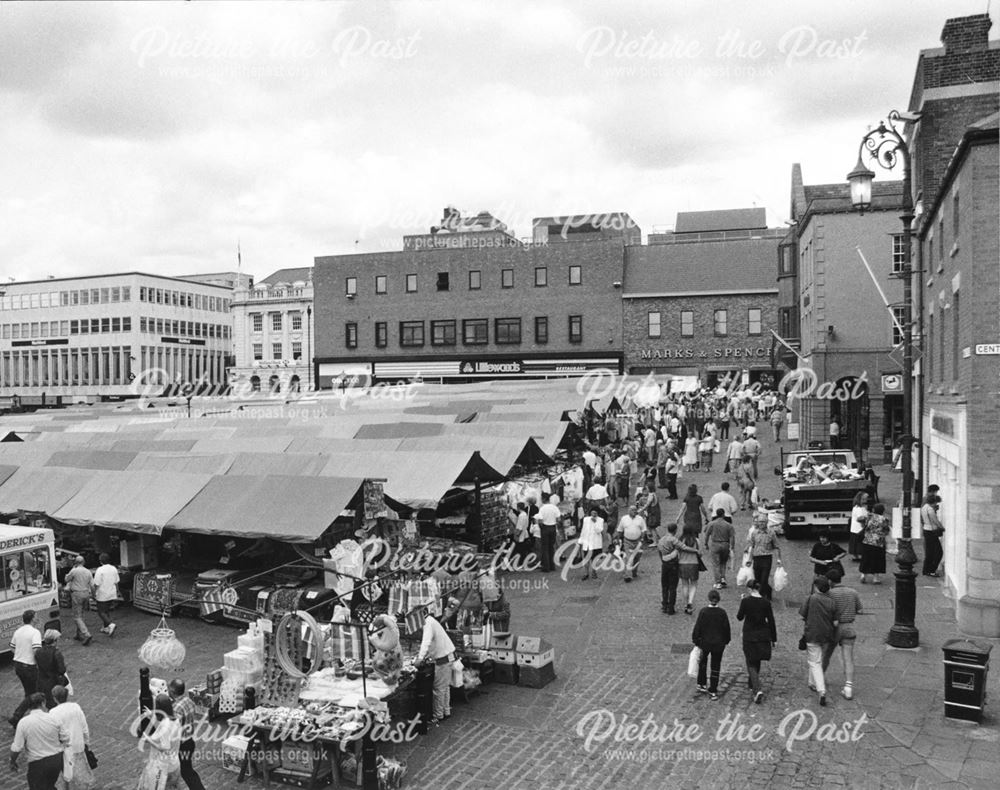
x: 64, y: 341
x: 745, y: 352
x: 942, y: 424
x: 184, y: 341
x: 892, y: 382
x: 474, y: 368
x: 983, y: 349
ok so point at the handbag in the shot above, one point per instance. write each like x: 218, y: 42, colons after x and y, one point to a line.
x: 91, y: 757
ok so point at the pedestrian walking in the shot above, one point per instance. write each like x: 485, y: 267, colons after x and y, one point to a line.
x: 873, y: 545
x: 723, y: 499
x: 734, y: 454
x: 711, y: 634
x: 720, y: 544
x: 25, y: 642
x: 760, y: 634
x: 933, y: 529
x: 662, y: 453
x: 669, y: 548
x: 184, y: 710
x: 859, y: 515
x: 51, y: 666
x: 80, y: 583
x: 650, y: 511
x: 106, y: 582
x: 690, y: 454
x: 762, y: 551
x: 847, y: 605
x: 630, y: 530
x: 706, y: 449
x: 73, y: 722
x: 834, y: 433
x: 693, y: 515
x: 751, y: 450
x: 747, y: 482
x: 777, y: 420
x: 41, y: 738
x: 549, y: 516
x: 820, y: 615
x: 671, y: 468
x: 437, y: 647
x: 826, y: 555
x: 591, y: 541
x: 161, y: 741
x: 688, y: 570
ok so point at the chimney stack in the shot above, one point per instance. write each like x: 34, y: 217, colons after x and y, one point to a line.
x: 966, y: 34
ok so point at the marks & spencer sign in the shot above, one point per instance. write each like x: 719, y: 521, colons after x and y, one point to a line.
x: 742, y: 352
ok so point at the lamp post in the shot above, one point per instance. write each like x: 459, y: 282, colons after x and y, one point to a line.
x: 886, y: 146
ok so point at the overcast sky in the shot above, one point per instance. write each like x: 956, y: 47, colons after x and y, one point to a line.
x: 156, y: 136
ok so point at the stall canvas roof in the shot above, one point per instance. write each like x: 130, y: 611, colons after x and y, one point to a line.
x: 160, y: 444
x: 399, y: 430
x: 134, y: 501
x: 91, y: 459
x: 501, y: 453
x: 310, y: 464
x: 188, y: 463
x: 42, y: 489
x: 295, y: 509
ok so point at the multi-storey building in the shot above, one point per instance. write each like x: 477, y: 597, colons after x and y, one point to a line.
x: 700, y: 302
x: 109, y: 335
x: 467, y: 312
x: 845, y: 331
x: 954, y: 150
x: 273, y: 333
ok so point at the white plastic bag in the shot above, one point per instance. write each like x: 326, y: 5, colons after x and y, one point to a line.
x: 457, y: 668
x: 744, y: 575
x: 693, y: 660
x: 780, y: 579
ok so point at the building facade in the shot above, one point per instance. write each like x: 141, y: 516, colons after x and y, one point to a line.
x: 700, y: 304
x: 272, y: 333
x: 469, y: 312
x: 111, y: 335
x: 954, y: 149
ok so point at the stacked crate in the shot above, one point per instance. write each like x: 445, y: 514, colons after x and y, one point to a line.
x: 502, y: 651
x: 535, y: 660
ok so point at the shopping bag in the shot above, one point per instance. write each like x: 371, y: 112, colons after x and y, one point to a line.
x: 780, y: 579
x: 754, y: 497
x: 347, y: 642
x: 744, y: 575
x: 68, y: 685
x: 67, y: 771
x: 693, y: 660
x: 457, y: 668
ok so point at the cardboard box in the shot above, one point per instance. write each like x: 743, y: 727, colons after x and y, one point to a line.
x: 234, y: 749
x: 532, y: 651
x: 502, y: 648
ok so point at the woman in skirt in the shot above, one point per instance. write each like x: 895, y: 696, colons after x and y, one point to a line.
x: 859, y: 514
x: 688, y: 571
x: 873, y: 545
x: 759, y: 634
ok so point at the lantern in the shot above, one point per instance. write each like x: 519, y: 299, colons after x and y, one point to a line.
x: 162, y: 649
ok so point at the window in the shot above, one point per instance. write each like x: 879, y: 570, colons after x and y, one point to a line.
x: 116, y: 294
x: 687, y: 323
x: 116, y: 325
x: 275, y: 350
x: 443, y: 333
x: 258, y: 350
x: 411, y: 333
x: 930, y: 253
x: 159, y: 326
x: 930, y: 340
x: 25, y: 572
x: 955, y: 224
x: 257, y: 319
x: 44, y: 329
x: 475, y: 280
x: 653, y: 323
x: 541, y: 329
x: 351, y: 286
x: 898, y: 253
x: 575, y: 276
x: 16, y: 331
x: 351, y: 335
x: 541, y: 276
x: 897, y: 324
x: 276, y: 322
x: 507, y: 331
x: 442, y: 281
x: 95, y: 295
x: 297, y: 350
x: 381, y: 334
x: 506, y: 278
x: 126, y: 324
x: 126, y: 294
x: 753, y: 321
x: 296, y: 318
x: 576, y: 329
x: 955, y: 336
x: 411, y: 283
x: 475, y: 332
x: 84, y: 297
x: 720, y: 323
x: 95, y: 326
x: 381, y: 284
x: 941, y: 241
x: 75, y: 297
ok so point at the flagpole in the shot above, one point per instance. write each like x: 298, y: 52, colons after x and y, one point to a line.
x: 878, y: 288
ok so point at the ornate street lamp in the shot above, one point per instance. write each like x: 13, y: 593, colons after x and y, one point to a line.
x: 887, y: 147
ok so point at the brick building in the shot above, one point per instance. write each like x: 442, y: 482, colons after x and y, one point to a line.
x: 845, y: 332
x: 955, y: 154
x: 469, y: 312
x: 700, y: 303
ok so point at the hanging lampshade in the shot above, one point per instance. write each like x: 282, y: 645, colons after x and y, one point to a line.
x: 162, y: 649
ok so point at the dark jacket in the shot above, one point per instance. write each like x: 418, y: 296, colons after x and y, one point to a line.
x: 759, y: 617
x: 51, y: 667
x: 711, y: 629
x: 820, y: 613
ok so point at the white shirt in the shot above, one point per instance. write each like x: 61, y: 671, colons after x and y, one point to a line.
x: 858, y: 512
x: 549, y: 514
x: 590, y: 458
x: 106, y: 583
x: 435, y: 643
x: 590, y: 534
x: 70, y: 717
x: 632, y: 528
x: 724, y: 500
x: 25, y: 641
x: 597, y: 491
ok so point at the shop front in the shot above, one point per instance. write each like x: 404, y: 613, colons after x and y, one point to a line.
x: 711, y: 365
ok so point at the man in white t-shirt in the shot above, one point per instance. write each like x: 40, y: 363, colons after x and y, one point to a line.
x: 106, y: 581
x: 723, y: 500
x: 548, y: 521
x: 25, y: 641
x: 631, y: 529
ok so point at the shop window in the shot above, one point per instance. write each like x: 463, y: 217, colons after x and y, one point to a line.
x: 443, y: 333
x: 506, y: 278
x: 575, y: 275
x: 687, y: 323
x: 754, y: 321
x: 475, y: 280
x: 576, y: 329
x: 541, y: 276
x: 720, y: 323
x: 411, y: 333
x: 653, y: 323
x: 351, y: 335
x: 475, y: 332
x: 381, y: 334
x: 541, y: 330
x: 507, y: 331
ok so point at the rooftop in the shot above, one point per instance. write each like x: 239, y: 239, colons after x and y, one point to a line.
x: 300, y: 274
x: 721, y: 219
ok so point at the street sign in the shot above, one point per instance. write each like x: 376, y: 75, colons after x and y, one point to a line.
x: 987, y: 348
x: 896, y: 355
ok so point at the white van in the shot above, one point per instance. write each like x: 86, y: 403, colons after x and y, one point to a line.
x: 27, y: 580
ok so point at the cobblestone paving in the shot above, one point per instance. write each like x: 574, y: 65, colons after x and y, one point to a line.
x: 620, y: 660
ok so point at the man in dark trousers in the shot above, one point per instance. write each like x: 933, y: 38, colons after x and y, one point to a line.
x: 184, y: 710
x: 711, y: 634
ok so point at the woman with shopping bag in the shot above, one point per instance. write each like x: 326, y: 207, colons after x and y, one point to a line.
x: 759, y: 635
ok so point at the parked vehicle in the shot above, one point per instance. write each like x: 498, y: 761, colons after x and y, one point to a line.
x: 818, y: 489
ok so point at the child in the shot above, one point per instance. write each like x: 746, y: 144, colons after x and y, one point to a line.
x: 711, y: 635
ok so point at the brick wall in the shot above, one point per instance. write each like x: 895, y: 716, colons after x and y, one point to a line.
x: 596, y: 299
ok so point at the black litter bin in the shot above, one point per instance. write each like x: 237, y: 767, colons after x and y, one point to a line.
x: 965, y: 666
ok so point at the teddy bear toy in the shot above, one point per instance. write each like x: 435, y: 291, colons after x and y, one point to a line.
x: 387, y: 661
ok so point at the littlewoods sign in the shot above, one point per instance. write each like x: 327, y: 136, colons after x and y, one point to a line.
x: 712, y: 353
x: 510, y: 366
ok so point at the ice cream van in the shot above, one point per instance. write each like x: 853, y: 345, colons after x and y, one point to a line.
x: 28, y: 581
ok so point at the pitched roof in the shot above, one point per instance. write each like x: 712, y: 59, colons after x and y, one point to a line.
x: 722, y: 266
x: 301, y: 274
x: 829, y: 198
x: 722, y: 219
